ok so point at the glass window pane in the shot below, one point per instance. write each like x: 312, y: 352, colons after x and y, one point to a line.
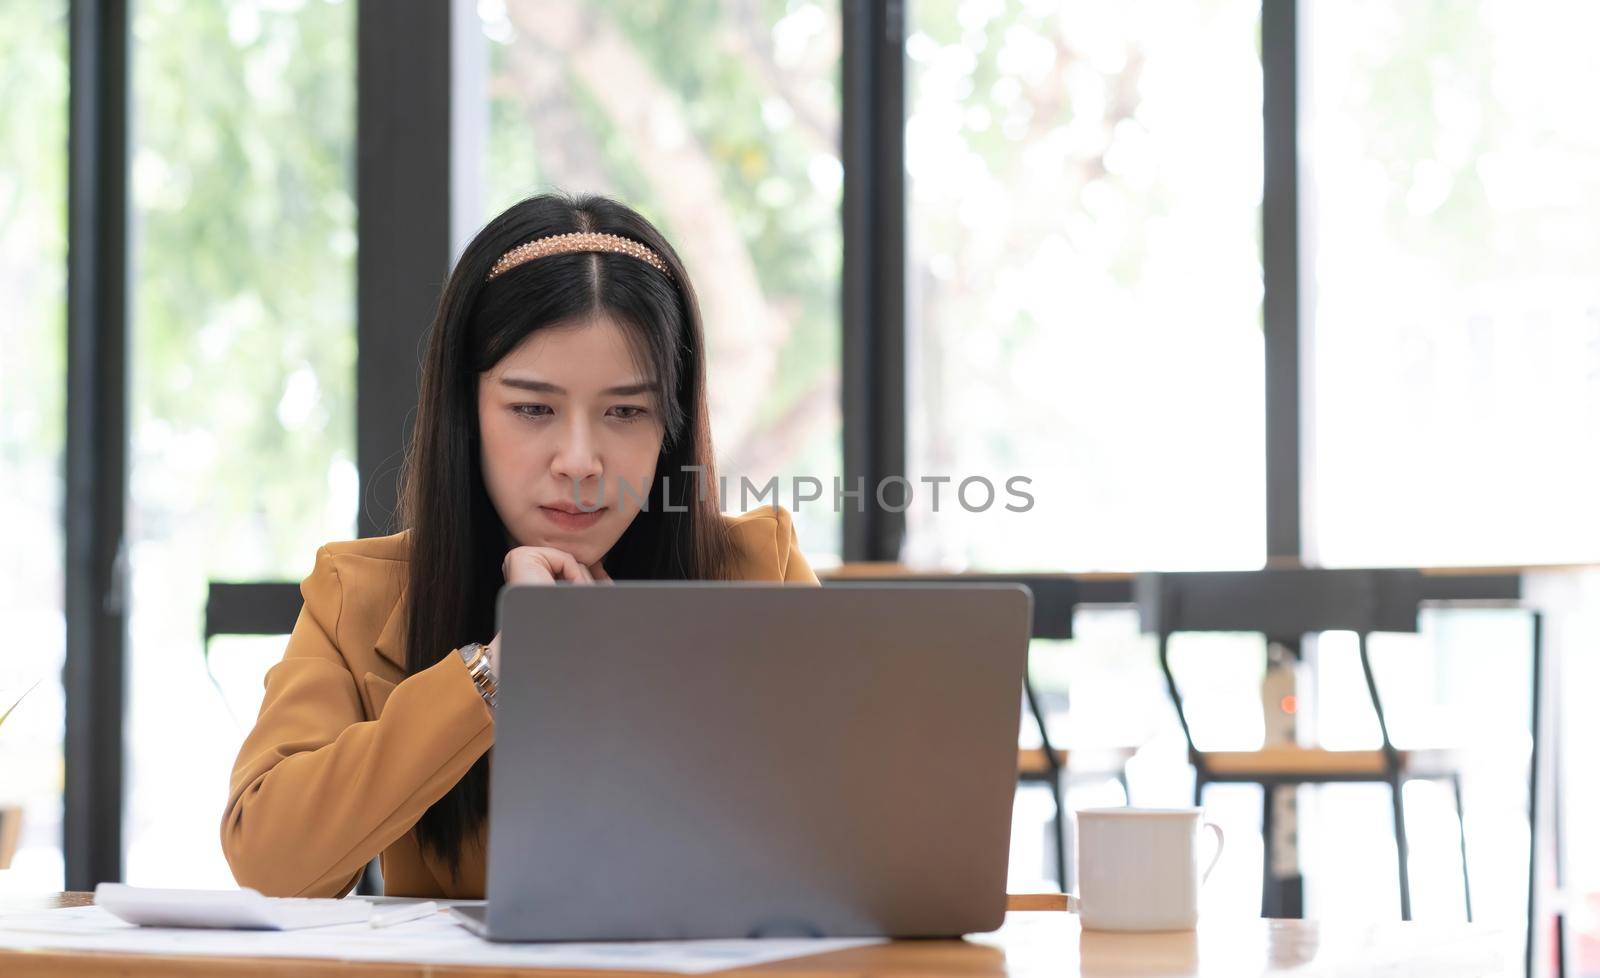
x: 242, y: 458
x: 720, y: 123
x: 33, y: 253
x: 1455, y: 220
x: 1085, y: 283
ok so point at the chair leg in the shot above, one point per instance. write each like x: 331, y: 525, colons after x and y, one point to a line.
x: 371, y: 882
x: 1461, y: 834
x: 1199, y: 790
x: 1402, y: 852
x: 1269, y: 904
x: 1058, y: 793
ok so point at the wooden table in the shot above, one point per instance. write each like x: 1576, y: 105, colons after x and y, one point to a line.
x: 1035, y: 941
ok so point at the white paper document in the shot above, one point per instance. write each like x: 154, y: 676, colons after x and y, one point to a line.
x: 434, y: 940
x: 241, y: 909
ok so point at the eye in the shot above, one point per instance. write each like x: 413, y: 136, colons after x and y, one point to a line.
x: 532, y: 410
x: 628, y: 412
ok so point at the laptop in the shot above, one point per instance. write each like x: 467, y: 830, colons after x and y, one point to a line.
x: 724, y: 760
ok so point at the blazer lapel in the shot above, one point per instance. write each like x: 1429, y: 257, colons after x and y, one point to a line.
x: 378, y: 690
x: 391, y: 643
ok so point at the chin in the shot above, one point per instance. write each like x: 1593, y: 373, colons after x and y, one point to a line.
x: 585, y: 553
x: 585, y: 548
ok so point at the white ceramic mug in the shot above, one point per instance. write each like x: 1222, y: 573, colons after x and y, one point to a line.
x: 1138, y: 868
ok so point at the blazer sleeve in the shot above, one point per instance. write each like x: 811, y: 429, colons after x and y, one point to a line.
x: 318, y: 790
x: 795, y: 569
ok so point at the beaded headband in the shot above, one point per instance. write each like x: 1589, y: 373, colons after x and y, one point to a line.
x: 577, y: 241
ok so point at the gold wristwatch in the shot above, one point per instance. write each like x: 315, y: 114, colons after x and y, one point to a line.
x: 476, y: 656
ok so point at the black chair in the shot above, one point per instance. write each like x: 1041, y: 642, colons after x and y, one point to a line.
x: 1055, y: 599
x: 265, y: 609
x: 1285, y: 605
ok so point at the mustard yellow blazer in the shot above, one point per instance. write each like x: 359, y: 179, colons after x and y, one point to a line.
x: 347, y: 752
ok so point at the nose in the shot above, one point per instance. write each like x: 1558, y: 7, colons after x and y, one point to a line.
x: 577, y: 457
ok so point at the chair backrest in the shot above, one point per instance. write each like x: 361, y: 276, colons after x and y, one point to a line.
x: 1284, y: 604
x: 1280, y: 603
x: 251, y: 609
x: 1055, y: 596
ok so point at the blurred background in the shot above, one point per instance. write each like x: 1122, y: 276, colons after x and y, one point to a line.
x: 1234, y: 283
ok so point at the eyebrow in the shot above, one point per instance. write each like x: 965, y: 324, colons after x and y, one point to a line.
x: 543, y: 387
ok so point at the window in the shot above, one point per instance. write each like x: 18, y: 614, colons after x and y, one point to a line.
x: 719, y: 122
x: 1454, y: 211
x: 242, y: 405
x: 33, y: 231
x: 1085, y: 283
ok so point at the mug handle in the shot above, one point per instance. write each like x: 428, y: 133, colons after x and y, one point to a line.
x: 1214, y: 827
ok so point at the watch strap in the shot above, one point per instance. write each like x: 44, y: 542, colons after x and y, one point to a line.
x: 476, y: 657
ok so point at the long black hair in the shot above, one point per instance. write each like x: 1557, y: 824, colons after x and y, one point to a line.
x: 457, y: 540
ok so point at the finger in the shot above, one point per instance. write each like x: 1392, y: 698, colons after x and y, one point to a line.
x: 599, y: 573
x: 526, y: 566
x: 565, y: 566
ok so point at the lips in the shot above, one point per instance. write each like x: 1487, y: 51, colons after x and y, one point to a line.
x: 569, y: 517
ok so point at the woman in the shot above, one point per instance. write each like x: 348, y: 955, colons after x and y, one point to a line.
x: 561, y: 435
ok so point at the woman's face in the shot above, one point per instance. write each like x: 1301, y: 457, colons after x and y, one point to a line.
x: 568, y: 422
